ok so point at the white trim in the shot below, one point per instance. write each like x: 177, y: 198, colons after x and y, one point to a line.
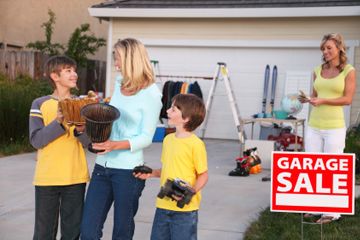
x: 240, y: 43
x: 225, y: 12
x: 109, y: 60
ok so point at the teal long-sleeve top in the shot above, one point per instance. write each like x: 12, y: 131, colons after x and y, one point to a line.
x: 139, y: 114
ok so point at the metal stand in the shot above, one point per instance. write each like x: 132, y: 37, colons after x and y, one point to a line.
x: 310, y: 223
x: 221, y: 73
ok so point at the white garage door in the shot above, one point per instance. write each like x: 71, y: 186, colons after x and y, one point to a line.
x: 246, y: 70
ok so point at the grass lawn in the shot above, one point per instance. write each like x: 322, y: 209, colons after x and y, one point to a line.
x: 287, y: 226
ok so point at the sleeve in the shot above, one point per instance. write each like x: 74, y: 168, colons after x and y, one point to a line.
x: 39, y: 134
x: 200, y: 158
x: 317, y: 71
x: 83, y: 138
x: 150, y: 117
x: 348, y: 68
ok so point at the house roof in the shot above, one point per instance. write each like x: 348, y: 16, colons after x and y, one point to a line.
x: 224, y: 8
x: 224, y: 3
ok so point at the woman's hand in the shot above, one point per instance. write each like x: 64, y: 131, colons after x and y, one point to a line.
x: 107, y: 146
x: 316, y: 101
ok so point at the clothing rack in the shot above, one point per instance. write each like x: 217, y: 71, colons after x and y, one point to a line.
x: 184, y: 77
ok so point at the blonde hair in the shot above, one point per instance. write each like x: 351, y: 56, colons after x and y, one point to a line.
x: 136, y: 68
x: 339, y: 42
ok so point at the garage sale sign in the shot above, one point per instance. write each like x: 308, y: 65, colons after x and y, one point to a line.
x: 312, y: 182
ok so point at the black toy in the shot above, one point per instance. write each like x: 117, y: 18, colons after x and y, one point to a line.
x: 180, y: 189
x: 142, y: 169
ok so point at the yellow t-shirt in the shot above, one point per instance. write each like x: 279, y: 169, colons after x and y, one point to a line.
x: 182, y: 158
x: 60, y: 158
x: 326, y: 116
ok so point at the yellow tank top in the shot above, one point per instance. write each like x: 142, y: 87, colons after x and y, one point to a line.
x: 326, y: 116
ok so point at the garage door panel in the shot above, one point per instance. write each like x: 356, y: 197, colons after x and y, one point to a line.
x: 246, y: 70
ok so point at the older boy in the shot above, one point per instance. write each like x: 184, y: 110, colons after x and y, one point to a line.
x: 61, y: 170
x: 184, y: 157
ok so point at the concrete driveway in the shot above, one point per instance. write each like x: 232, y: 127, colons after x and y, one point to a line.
x: 229, y: 204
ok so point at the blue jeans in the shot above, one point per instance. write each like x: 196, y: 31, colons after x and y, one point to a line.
x: 108, y: 186
x: 173, y: 225
x: 50, y: 201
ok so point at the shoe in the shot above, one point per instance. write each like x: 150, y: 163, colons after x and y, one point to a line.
x: 326, y: 219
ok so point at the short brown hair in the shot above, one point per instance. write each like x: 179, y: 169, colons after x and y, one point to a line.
x: 191, y: 107
x: 55, y: 64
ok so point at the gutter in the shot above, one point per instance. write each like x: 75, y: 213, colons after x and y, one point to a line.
x: 106, y: 13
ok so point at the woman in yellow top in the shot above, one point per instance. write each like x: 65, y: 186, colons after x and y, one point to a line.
x: 334, y: 87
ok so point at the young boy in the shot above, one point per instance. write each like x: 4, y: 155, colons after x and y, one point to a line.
x: 61, y: 169
x: 183, y: 157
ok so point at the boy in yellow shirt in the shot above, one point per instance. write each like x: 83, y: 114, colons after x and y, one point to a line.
x: 61, y: 170
x: 184, y: 157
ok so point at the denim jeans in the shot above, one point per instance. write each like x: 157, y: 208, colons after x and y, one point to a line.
x: 50, y: 201
x: 108, y: 186
x: 173, y: 225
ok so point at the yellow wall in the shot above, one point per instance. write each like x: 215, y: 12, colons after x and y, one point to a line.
x: 20, y: 21
x: 245, y: 29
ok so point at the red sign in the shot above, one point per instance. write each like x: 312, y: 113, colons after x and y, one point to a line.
x: 312, y: 182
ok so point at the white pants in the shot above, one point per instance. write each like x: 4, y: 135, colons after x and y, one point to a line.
x: 325, y: 141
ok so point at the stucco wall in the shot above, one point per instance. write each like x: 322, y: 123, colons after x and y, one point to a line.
x: 20, y: 21
x: 245, y: 29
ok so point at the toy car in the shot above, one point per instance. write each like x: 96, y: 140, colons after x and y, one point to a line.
x: 142, y: 169
x: 178, y: 188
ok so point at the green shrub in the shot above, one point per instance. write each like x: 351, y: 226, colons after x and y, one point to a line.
x: 15, y: 102
x: 353, y: 145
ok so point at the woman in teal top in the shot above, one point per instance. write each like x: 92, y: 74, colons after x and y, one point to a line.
x: 334, y: 87
x: 139, y: 102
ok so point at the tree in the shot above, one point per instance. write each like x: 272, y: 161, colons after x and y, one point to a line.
x: 46, y: 46
x: 81, y: 43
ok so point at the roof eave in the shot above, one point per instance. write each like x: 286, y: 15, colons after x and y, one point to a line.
x: 106, y: 13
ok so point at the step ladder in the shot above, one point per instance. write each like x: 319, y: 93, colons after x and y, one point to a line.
x: 222, y: 73
x: 156, y: 70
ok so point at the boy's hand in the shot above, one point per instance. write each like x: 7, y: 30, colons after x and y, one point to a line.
x: 59, y: 116
x: 142, y: 176
x: 80, y: 128
x: 176, y: 198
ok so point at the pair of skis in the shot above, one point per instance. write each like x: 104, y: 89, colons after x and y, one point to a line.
x: 264, y: 113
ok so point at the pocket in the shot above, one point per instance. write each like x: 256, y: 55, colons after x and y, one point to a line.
x: 98, y: 171
x: 139, y: 186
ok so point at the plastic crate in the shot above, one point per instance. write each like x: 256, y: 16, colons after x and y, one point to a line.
x: 159, y: 134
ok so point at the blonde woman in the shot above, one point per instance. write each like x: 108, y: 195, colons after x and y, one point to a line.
x: 334, y: 87
x: 139, y: 102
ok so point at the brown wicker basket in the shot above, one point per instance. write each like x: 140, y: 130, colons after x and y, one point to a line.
x: 99, y: 118
x: 71, y: 108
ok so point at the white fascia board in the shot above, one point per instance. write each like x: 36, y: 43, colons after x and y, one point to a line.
x: 239, y: 43
x: 224, y: 12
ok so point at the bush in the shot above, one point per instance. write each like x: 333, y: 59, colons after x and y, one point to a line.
x: 353, y: 145
x: 15, y: 102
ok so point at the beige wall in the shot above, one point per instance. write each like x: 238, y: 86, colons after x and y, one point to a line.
x: 245, y: 29
x: 20, y: 21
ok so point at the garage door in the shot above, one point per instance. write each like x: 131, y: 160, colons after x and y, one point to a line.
x: 246, y: 69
